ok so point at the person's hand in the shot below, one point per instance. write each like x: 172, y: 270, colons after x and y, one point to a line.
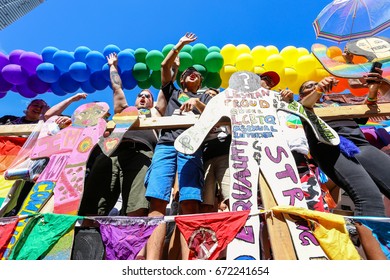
x: 326, y: 84
x: 374, y: 78
x: 63, y: 121
x: 112, y: 59
x: 286, y: 95
x: 188, y: 38
x: 348, y: 57
x: 189, y: 105
x: 79, y: 96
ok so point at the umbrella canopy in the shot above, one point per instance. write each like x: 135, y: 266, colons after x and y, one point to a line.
x: 344, y: 20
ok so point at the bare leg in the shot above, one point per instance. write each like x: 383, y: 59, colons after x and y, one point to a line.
x: 187, y: 207
x: 155, y: 243
x: 369, y: 243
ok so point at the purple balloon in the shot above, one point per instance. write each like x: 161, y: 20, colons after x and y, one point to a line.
x: 25, y: 91
x: 14, y: 74
x: 47, y: 54
x: 30, y: 61
x: 2, y: 94
x: 67, y: 83
x: 48, y: 72
x: 3, y: 60
x: 36, y: 85
x: 14, y: 56
x: 4, y: 85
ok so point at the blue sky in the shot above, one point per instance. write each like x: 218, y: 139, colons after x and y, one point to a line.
x: 68, y: 24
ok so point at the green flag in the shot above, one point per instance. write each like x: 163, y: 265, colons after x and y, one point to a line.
x: 41, y: 234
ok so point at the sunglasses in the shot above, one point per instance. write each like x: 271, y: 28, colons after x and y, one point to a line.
x: 310, y: 85
x: 147, y: 95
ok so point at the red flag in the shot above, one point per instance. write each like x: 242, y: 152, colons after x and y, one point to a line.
x: 9, y: 149
x: 7, y: 226
x: 208, y: 234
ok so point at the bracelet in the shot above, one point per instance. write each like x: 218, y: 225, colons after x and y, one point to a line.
x: 175, y: 50
x: 375, y: 99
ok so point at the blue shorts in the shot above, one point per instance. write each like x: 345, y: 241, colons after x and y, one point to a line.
x: 161, y: 174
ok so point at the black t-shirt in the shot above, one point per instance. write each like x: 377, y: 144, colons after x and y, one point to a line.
x: 176, y: 99
x: 7, y: 119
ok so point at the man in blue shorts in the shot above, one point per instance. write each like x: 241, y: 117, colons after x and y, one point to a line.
x: 166, y: 160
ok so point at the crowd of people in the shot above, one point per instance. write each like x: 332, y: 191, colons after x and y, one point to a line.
x: 146, y: 173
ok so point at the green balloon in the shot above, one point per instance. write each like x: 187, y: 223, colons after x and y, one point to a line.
x: 140, y: 54
x: 141, y: 71
x: 201, y: 69
x: 153, y: 60
x: 214, y: 49
x: 155, y: 79
x: 213, y: 62
x: 199, y: 52
x: 166, y: 49
x: 213, y: 80
x: 186, y: 48
x: 144, y: 84
x: 185, y: 61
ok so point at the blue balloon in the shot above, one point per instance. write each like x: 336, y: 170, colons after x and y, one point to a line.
x: 95, y: 60
x: 67, y: 83
x: 80, y: 53
x: 79, y: 71
x: 47, y: 54
x: 57, y: 90
x: 126, y: 59
x: 63, y: 59
x: 48, y: 72
x: 128, y: 81
x: 98, y: 81
x: 87, y: 87
x: 111, y: 49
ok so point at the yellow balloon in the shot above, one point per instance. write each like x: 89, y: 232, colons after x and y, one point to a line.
x: 258, y: 69
x: 244, y: 62
x: 306, y: 64
x: 274, y: 62
x: 302, y: 51
x: 225, y: 74
x: 290, y: 76
x: 290, y: 55
x: 242, y: 48
x: 229, y: 53
x: 318, y: 74
x: 272, y: 50
x: 259, y: 54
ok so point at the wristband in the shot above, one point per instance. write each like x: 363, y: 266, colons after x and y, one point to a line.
x: 375, y: 99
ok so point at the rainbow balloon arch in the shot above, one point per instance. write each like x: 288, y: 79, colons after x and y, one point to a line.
x: 63, y: 72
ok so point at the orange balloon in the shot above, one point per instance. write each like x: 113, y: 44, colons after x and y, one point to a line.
x: 333, y: 51
x: 341, y: 86
x: 359, y: 91
x: 359, y: 59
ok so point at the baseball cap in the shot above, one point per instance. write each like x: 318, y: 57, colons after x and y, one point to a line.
x: 273, y: 76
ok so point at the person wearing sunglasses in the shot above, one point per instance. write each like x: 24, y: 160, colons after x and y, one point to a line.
x: 355, y: 165
x: 121, y: 176
x: 166, y: 160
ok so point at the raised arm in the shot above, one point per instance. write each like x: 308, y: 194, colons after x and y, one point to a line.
x: 166, y: 65
x: 120, y: 102
x: 57, y: 109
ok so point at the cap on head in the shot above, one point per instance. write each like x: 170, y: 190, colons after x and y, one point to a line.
x: 273, y: 76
